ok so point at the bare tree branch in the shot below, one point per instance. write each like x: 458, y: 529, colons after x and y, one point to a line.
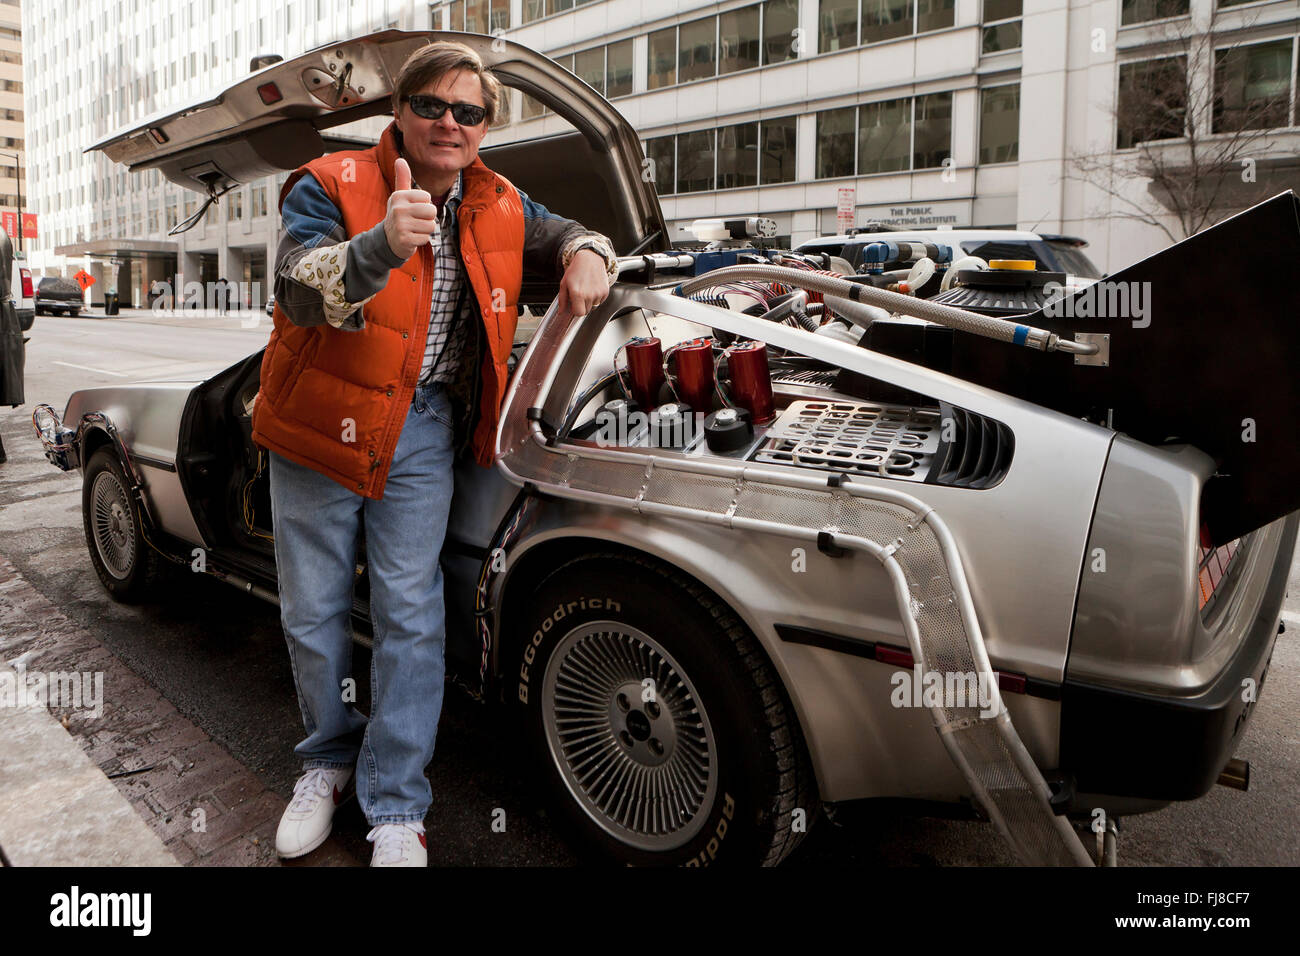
x: 1187, y: 117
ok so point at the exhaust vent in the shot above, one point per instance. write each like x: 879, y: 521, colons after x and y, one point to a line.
x: 978, y: 453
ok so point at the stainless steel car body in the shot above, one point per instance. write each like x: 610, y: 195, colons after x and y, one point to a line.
x: 148, y: 417
x: 1023, y: 541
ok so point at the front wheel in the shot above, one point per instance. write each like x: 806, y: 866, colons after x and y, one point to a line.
x: 658, y: 730
x: 126, y: 564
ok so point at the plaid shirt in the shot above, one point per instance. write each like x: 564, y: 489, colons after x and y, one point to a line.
x: 446, y: 342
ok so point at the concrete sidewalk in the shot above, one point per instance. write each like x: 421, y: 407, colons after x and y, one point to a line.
x: 136, y: 784
x: 59, y: 809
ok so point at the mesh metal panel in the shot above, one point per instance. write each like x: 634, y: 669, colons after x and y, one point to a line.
x: 686, y: 490
x: 798, y: 506
x: 624, y: 480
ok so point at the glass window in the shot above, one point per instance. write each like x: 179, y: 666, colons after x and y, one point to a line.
x: 837, y: 25
x: 884, y: 136
x: 559, y: 6
x: 534, y: 10
x: 835, y: 143
x: 738, y: 156
x: 476, y: 16
x: 618, y: 69
x: 500, y: 17
x: 662, y: 60
x: 776, y: 162
x: 1140, y: 11
x: 1001, y: 37
x: 780, y: 20
x: 738, y: 38
x: 456, y: 20
x: 695, y: 161
x: 933, y: 131
x: 934, y: 15
x: 663, y: 172
x: 995, y: 10
x: 1252, y: 86
x: 1000, y: 124
x: 1152, y: 101
x: 530, y: 108
x: 589, y: 65
x: 885, y: 19
x: 697, y: 49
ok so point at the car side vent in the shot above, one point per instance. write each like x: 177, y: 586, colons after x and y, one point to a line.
x: 974, y: 451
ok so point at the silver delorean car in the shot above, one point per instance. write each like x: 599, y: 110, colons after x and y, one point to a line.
x: 766, y: 534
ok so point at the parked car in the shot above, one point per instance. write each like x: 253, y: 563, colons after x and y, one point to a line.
x: 1052, y: 253
x: 702, y: 620
x: 20, y: 290
x: 56, y: 294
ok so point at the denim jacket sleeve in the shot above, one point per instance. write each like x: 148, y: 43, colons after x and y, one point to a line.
x: 551, y: 241
x: 321, y: 275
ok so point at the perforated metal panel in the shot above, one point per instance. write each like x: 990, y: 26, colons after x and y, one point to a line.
x: 862, y: 437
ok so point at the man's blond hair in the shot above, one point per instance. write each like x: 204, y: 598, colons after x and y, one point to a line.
x: 431, y: 62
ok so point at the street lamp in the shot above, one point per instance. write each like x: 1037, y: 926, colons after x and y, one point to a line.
x: 18, y: 177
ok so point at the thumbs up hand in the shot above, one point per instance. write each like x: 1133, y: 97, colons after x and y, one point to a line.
x: 412, y: 217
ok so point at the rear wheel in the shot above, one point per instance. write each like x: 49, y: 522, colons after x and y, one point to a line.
x: 656, y: 725
x: 128, y: 566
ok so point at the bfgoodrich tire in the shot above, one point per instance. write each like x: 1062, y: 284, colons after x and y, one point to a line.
x: 126, y: 564
x: 654, y: 722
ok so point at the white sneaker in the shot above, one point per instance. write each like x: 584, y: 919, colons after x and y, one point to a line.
x: 309, y: 816
x: 399, y: 844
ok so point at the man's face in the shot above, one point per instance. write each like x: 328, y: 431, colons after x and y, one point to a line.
x: 443, y: 145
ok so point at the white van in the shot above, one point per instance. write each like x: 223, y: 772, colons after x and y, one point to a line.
x: 22, y: 290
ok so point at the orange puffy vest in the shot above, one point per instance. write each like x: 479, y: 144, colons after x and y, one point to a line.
x: 335, y: 400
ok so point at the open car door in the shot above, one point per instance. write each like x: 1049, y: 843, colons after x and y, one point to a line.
x: 277, y: 119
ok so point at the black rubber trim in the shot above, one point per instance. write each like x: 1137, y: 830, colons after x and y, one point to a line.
x: 832, y: 642
x: 153, y: 462
x: 792, y: 634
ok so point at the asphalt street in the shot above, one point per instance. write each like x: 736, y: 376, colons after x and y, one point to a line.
x: 219, y: 656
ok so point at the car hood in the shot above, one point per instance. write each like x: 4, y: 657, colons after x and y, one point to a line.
x: 237, y: 136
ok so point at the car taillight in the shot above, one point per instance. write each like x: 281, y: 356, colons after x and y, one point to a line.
x: 27, y: 283
x: 1214, y: 565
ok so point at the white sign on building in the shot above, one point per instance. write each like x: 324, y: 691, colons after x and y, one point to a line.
x: 844, y: 212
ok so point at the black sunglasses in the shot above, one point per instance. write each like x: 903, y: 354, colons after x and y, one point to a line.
x: 430, y: 107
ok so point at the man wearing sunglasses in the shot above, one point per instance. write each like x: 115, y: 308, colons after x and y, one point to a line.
x: 397, y: 277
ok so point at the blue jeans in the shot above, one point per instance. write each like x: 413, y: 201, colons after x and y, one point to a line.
x: 316, y: 523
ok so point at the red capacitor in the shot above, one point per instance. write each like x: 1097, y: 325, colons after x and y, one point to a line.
x: 751, y: 383
x: 695, y: 374
x: 645, y: 366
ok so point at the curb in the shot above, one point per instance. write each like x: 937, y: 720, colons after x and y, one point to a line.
x: 139, y: 784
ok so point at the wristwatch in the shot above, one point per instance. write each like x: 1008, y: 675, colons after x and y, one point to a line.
x: 599, y: 245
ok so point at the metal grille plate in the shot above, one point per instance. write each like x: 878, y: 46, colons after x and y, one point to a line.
x: 892, y: 441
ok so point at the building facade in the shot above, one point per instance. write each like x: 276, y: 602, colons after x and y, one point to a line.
x: 13, y: 146
x: 995, y: 113
x: 93, y: 67
x: 816, y: 113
